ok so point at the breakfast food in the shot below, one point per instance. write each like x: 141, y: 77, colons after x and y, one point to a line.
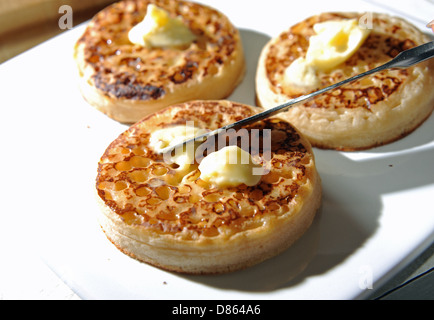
x: 330, y: 47
x: 195, y: 210
x: 136, y: 57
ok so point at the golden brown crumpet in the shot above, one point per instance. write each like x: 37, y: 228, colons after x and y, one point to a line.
x: 171, y: 218
x: 127, y: 81
x: 370, y: 112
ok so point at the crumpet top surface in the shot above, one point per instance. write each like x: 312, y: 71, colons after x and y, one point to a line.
x: 387, y: 40
x: 122, y: 70
x: 146, y: 192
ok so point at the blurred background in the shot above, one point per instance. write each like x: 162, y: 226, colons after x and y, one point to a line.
x: 26, y: 23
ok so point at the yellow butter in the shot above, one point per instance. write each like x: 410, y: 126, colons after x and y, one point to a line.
x: 301, y: 74
x: 334, y: 42
x: 171, y: 136
x: 229, y: 167
x: 158, y: 29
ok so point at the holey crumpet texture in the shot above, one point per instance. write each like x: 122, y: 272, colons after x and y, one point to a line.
x: 138, y: 56
x: 330, y: 47
x: 206, y: 213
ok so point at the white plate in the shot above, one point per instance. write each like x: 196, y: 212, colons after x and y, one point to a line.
x: 377, y: 212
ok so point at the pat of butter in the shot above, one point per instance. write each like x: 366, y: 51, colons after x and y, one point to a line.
x: 171, y: 136
x: 301, y: 73
x: 229, y: 167
x: 334, y: 43
x: 158, y: 29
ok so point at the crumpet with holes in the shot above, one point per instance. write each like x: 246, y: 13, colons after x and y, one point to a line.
x: 127, y: 81
x: 170, y: 218
x: 372, y: 111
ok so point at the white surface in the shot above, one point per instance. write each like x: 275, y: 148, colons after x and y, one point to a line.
x: 377, y: 211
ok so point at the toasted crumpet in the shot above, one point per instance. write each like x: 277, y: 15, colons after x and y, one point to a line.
x: 172, y: 219
x: 127, y: 81
x: 370, y: 112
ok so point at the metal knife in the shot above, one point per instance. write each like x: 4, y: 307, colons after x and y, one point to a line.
x: 403, y: 60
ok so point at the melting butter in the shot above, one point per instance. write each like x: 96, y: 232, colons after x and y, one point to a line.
x: 229, y: 167
x: 171, y: 136
x: 158, y: 29
x: 301, y: 73
x: 334, y: 43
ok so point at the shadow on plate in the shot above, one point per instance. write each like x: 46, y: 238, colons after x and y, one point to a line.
x: 271, y: 274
